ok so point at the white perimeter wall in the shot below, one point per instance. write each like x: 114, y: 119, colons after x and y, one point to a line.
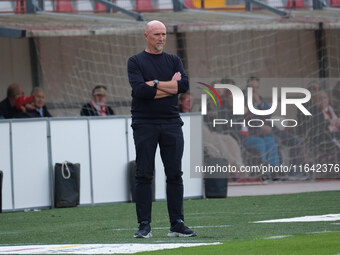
x: 30, y: 148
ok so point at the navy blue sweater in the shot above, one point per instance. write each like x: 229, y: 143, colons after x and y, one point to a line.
x: 144, y: 67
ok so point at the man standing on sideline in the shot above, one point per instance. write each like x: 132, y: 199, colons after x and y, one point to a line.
x: 157, y: 78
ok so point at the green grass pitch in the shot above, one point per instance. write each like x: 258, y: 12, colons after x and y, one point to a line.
x: 228, y: 221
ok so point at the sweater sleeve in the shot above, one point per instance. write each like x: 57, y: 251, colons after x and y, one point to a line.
x: 183, y: 84
x: 139, y: 88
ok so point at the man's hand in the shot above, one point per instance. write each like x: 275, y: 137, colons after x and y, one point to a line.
x: 161, y: 94
x: 169, y: 87
x: 150, y: 83
x: 176, y: 77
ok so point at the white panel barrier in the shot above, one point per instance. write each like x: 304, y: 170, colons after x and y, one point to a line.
x: 193, y: 154
x: 131, y: 144
x: 30, y: 164
x: 160, y: 180
x: 70, y: 142
x: 102, y: 146
x: 5, y: 166
x: 109, y: 160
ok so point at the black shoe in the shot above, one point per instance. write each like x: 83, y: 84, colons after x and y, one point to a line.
x: 179, y: 229
x: 144, y: 230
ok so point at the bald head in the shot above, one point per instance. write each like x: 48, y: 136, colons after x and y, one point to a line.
x: 155, y: 36
x: 154, y: 24
x: 13, y: 92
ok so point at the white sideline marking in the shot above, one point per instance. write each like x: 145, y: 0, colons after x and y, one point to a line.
x: 275, y: 237
x: 132, y: 229
x: 94, y: 248
x: 326, y: 217
x: 321, y: 232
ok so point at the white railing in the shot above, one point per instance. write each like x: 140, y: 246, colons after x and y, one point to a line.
x: 30, y: 148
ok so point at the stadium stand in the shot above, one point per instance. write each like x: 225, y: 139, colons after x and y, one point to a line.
x: 19, y: 6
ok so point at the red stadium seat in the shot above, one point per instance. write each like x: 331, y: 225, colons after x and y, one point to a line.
x: 64, y: 6
x: 189, y: 4
x: 20, y: 6
x: 335, y: 3
x: 144, y: 5
x: 99, y: 7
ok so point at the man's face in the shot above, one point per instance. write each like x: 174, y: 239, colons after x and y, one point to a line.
x: 99, y: 99
x: 185, y: 103
x: 20, y: 93
x: 316, y: 86
x: 156, y: 37
x: 323, y: 100
x: 39, y: 99
x: 255, y: 85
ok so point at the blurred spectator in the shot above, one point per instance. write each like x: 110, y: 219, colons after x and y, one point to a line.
x: 220, y: 145
x: 39, y: 102
x: 7, y: 106
x: 26, y: 108
x: 303, y: 120
x: 184, y: 102
x: 336, y: 97
x: 314, y: 88
x: 224, y: 94
x: 258, y: 101
x: 325, y: 130
x: 254, y: 138
x: 215, y: 144
x: 282, y: 137
x: 97, y: 106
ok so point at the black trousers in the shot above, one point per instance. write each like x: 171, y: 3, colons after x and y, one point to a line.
x: 171, y: 143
